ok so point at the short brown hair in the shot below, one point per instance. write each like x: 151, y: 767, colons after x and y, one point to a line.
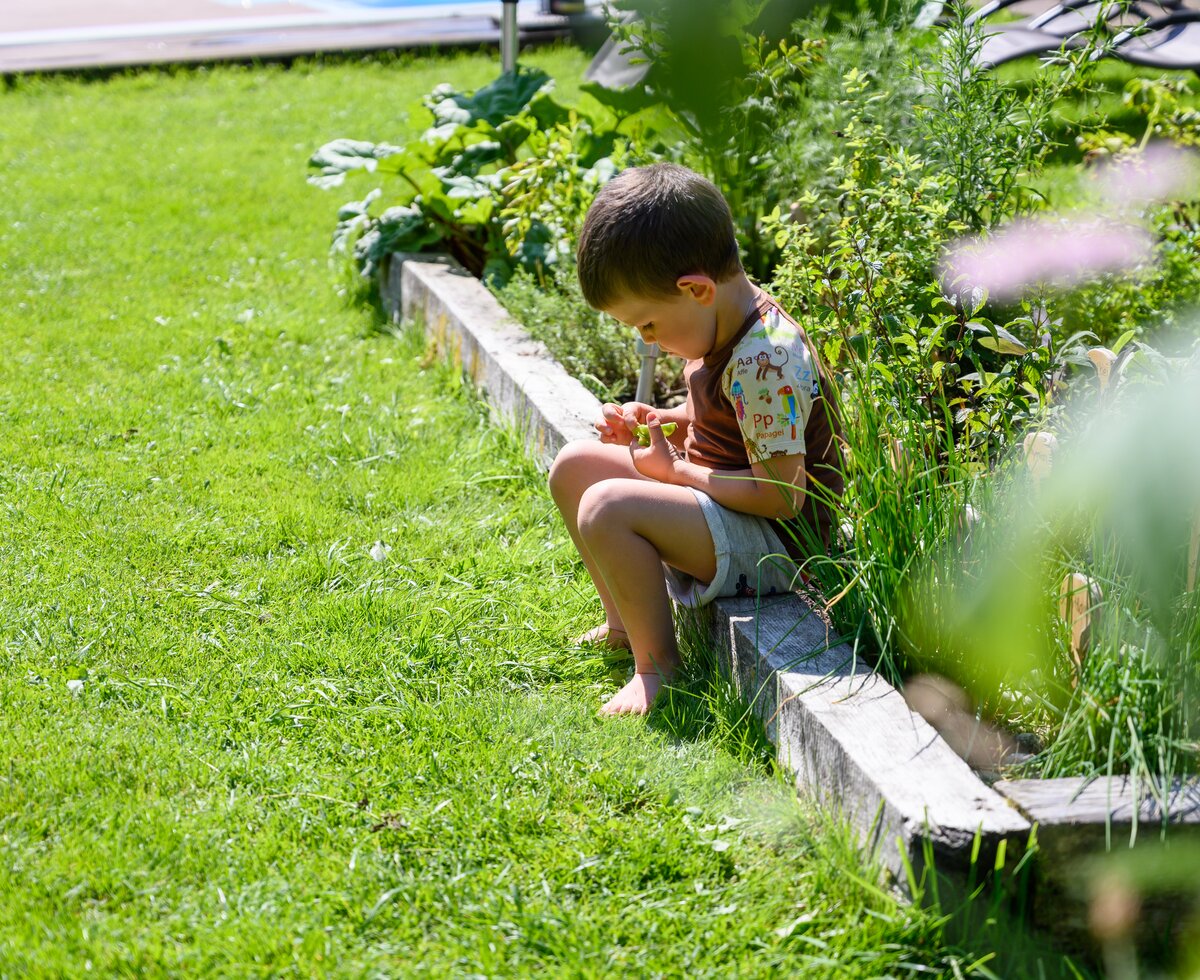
x: 647, y: 227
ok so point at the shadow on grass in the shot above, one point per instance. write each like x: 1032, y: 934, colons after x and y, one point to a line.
x: 703, y: 705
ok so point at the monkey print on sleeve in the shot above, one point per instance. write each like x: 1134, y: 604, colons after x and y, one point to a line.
x: 771, y: 383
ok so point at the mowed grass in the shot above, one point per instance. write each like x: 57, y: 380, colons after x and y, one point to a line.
x: 283, y: 681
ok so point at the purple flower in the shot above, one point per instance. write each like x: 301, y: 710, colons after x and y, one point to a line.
x: 1043, y: 250
x: 1159, y: 173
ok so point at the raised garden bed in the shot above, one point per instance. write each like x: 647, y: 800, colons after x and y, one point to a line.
x: 847, y: 736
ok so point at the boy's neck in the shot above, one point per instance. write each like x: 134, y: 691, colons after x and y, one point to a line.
x: 736, y: 299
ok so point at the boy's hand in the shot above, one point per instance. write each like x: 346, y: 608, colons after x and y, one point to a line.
x: 656, y: 461
x: 618, y: 422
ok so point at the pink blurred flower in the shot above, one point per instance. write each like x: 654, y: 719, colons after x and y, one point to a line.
x: 1043, y: 250
x: 1160, y: 172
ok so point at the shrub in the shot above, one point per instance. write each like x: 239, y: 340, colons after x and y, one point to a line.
x: 592, y: 346
x: 470, y: 184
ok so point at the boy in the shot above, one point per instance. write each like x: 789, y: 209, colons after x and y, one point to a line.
x: 706, y: 505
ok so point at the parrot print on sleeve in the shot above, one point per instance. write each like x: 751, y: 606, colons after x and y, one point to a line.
x: 771, y: 384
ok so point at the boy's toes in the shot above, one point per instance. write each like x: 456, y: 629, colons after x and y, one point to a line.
x: 635, y: 697
x: 605, y: 635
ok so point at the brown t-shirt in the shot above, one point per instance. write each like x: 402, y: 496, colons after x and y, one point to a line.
x: 765, y: 394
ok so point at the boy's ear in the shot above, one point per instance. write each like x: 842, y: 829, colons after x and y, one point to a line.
x: 701, y: 288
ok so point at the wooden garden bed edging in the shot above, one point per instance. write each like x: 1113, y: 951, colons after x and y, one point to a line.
x: 1078, y: 819
x: 845, y: 733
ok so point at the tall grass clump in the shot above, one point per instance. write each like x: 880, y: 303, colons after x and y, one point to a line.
x: 932, y: 390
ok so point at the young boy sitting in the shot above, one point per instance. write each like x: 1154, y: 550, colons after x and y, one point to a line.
x: 708, y: 504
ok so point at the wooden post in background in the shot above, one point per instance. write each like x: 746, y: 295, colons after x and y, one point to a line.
x: 1079, y: 598
x: 1102, y: 360
x: 1040, y: 448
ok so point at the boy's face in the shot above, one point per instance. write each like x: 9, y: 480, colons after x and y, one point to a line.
x: 684, y: 324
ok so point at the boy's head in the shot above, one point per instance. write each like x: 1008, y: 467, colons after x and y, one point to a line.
x: 647, y: 228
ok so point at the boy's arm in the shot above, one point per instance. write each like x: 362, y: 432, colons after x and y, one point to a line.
x: 774, y: 489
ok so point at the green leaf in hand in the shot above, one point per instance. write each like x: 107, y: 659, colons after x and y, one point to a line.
x: 643, y: 432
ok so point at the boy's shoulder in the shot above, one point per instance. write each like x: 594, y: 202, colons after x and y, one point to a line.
x: 774, y: 325
x: 773, y: 329
x: 775, y: 349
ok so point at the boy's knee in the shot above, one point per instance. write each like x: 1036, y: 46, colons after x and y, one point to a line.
x: 571, y: 462
x: 601, y: 508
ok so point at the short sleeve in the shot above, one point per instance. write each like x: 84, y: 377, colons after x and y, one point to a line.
x: 771, y: 383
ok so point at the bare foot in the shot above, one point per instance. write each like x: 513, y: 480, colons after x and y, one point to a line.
x: 635, y: 697
x: 605, y: 635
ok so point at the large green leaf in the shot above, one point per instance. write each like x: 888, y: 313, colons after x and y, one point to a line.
x: 463, y: 187
x: 548, y: 111
x: 997, y: 339
x: 341, y: 156
x: 593, y: 147
x: 477, y: 211
x: 405, y: 229
x: 476, y: 156
x: 515, y: 131
x: 402, y: 229
x: 623, y: 102
x: 507, y: 96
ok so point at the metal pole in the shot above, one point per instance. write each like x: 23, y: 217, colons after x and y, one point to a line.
x: 645, y: 385
x: 508, y: 36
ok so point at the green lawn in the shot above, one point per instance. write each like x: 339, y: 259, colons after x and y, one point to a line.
x: 242, y: 738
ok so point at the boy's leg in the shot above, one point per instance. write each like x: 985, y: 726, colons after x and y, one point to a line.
x: 629, y: 528
x: 578, y: 467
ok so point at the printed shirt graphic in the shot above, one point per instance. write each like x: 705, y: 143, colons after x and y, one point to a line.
x: 771, y: 383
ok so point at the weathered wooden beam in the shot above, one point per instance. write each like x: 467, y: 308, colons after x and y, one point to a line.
x: 1117, y: 803
x: 853, y: 742
x: 1078, y: 819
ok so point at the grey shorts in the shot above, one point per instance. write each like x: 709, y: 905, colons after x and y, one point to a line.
x: 751, y: 560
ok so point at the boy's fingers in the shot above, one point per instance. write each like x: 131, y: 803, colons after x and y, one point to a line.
x: 654, y: 424
x: 613, y: 425
x: 610, y: 414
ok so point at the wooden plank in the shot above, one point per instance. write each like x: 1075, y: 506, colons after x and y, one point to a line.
x: 852, y: 741
x: 1077, y: 821
x: 1076, y: 802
